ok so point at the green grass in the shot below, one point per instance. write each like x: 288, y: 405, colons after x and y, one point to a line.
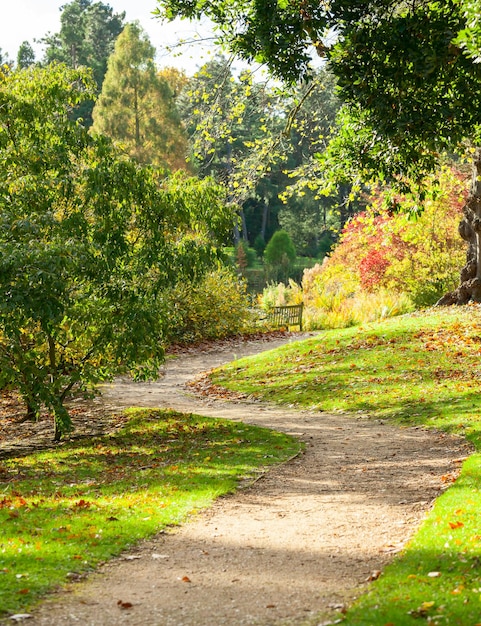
x: 422, y: 369
x: 63, y: 511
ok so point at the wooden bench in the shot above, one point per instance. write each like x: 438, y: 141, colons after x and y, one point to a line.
x: 289, y: 315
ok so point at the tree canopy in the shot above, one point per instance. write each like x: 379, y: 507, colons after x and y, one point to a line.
x: 88, y: 31
x: 90, y: 241
x: 397, y: 62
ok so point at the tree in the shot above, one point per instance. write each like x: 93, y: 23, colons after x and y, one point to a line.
x: 229, y: 122
x: 238, y: 132
x: 252, y: 135
x: 313, y: 214
x: 25, y: 56
x: 136, y: 107
x: 90, y: 241
x: 407, y: 83
x: 88, y: 31
x: 279, y: 256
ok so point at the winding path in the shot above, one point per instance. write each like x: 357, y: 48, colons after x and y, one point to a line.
x: 290, y: 549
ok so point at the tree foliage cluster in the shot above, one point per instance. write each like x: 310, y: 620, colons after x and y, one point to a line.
x: 239, y: 129
x: 407, y: 74
x: 250, y: 134
x: 90, y: 241
x: 136, y: 106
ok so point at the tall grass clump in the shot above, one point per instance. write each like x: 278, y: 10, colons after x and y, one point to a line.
x: 333, y: 298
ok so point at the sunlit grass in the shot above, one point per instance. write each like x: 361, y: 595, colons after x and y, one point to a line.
x: 424, y: 370
x: 63, y: 511
x: 415, y: 369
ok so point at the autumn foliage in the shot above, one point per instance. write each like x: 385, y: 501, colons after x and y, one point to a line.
x: 388, y: 261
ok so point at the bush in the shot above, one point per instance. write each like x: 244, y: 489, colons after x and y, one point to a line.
x: 420, y: 257
x: 216, y: 308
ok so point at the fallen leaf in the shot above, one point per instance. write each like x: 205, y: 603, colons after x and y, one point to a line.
x: 124, y: 605
x: 422, y: 610
x: 456, y: 524
x: 82, y: 504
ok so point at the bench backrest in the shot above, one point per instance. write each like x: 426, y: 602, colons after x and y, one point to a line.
x: 291, y: 315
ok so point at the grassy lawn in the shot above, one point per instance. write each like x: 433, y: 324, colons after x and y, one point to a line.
x: 63, y: 511
x: 422, y: 369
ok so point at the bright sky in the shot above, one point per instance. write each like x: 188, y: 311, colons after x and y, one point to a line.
x: 28, y: 20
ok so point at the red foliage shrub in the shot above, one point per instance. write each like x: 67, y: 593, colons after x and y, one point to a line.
x: 372, y: 269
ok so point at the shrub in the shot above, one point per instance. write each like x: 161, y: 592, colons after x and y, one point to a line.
x: 418, y: 253
x: 372, y: 269
x: 216, y: 308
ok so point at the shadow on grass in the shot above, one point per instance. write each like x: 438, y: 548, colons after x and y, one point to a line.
x: 65, y: 510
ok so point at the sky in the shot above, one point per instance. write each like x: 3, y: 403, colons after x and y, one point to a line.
x: 27, y: 20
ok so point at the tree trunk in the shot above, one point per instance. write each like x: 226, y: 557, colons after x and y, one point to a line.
x: 470, y: 230
x: 137, y: 117
x: 245, y: 236
x: 236, y: 232
x: 31, y: 413
x: 265, y: 215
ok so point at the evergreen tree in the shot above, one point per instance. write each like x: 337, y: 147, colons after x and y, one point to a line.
x: 25, y: 56
x: 136, y: 107
x: 87, y: 36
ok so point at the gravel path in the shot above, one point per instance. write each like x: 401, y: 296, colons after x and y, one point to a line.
x: 292, y: 548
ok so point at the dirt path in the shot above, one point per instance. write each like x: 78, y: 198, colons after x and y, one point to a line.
x: 289, y: 549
